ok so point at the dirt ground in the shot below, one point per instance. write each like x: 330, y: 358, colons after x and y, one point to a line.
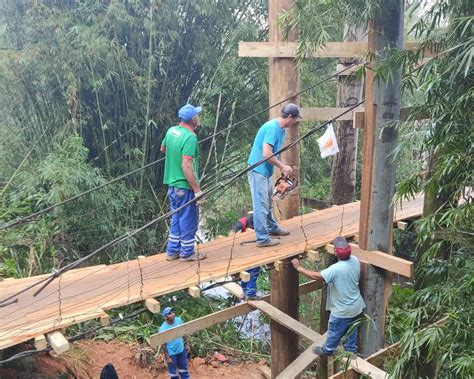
x: 85, y: 360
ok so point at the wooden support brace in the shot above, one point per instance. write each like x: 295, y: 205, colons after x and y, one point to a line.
x: 402, y: 225
x: 234, y: 289
x: 313, y: 256
x: 152, y: 305
x: 104, y: 319
x: 326, y: 114
x: 40, y: 342
x: 363, y: 367
x: 381, y: 260
x: 194, y: 291
x: 244, y: 276
x: 358, y: 116
x: 349, y: 71
x: 278, y: 265
x: 58, y: 342
x: 300, y: 364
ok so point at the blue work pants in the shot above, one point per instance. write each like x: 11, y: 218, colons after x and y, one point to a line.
x: 263, y: 221
x: 184, y: 223
x: 180, y: 364
x: 337, y: 328
x: 250, y: 287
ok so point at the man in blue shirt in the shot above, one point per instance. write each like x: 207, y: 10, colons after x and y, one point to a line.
x: 175, y: 351
x: 269, y: 139
x: 343, y: 301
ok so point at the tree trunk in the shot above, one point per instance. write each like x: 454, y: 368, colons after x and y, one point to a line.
x: 349, y: 92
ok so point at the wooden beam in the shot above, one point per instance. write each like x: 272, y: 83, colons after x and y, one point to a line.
x: 330, y: 50
x: 313, y: 256
x: 381, y: 260
x: 402, y: 225
x: 287, y: 321
x: 235, y: 289
x: 300, y: 364
x: 58, y: 342
x: 365, y: 368
x: 104, y: 319
x: 278, y: 265
x: 244, y: 276
x: 40, y: 342
x: 326, y: 114
x: 215, y: 318
x: 405, y: 114
x: 153, y: 305
x: 347, y: 71
x: 194, y: 291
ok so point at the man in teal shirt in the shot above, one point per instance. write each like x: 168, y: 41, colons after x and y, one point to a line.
x: 175, y: 351
x: 180, y: 146
x: 343, y: 301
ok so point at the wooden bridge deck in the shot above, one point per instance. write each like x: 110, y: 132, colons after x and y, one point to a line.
x: 85, y: 294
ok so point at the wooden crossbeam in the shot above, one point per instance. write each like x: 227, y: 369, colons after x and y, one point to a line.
x: 313, y: 256
x: 326, y: 114
x: 58, y: 342
x: 402, y: 225
x: 194, y: 291
x: 244, y: 276
x: 288, y: 322
x: 153, y: 305
x: 215, y: 318
x: 404, y: 115
x: 300, y: 364
x: 363, y: 367
x: 235, y: 289
x: 330, y: 50
x: 40, y: 342
x: 104, y: 319
x: 380, y: 259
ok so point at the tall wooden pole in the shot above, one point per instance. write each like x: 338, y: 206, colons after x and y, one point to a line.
x: 382, y: 107
x: 349, y: 92
x: 284, y: 82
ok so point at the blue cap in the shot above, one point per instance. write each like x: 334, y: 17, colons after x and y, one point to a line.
x: 188, y: 111
x: 167, y: 311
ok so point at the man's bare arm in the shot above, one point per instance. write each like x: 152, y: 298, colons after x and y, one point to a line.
x: 188, y: 170
x: 267, y: 152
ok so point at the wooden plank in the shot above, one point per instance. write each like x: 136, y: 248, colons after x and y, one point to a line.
x: 330, y: 50
x: 326, y: 114
x: 235, y: 289
x: 287, y: 321
x: 402, y: 225
x: 300, y: 364
x: 244, y: 276
x: 194, y: 291
x: 58, y: 342
x: 217, y: 317
x: 278, y: 265
x: 153, y: 305
x: 104, y: 319
x: 313, y: 256
x: 40, y: 342
x: 380, y: 259
x: 288, y: 50
x: 405, y: 114
x: 266, y: 371
x: 365, y: 368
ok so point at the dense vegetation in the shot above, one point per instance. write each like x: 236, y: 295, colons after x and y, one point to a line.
x: 87, y: 90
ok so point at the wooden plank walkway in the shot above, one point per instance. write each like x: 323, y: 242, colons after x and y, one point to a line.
x: 84, y: 294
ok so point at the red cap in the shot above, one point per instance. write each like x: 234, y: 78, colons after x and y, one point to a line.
x: 342, y: 248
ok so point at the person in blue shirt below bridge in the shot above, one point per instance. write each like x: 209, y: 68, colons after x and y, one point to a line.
x: 175, y: 351
x: 343, y: 298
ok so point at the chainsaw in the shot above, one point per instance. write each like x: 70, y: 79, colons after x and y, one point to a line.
x: 283, y: 186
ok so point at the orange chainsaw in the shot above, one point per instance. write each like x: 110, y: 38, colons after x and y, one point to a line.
x: 283, y: 186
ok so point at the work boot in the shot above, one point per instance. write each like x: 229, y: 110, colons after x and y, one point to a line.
x: 318, y: 350
x: 281, y: 232
x: 172, y: 257
x: 270, y: 242
x: 194, y: 257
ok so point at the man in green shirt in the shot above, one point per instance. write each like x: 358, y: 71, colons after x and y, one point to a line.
x: 181, y: 175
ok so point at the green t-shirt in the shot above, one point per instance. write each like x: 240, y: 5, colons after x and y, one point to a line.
x: 179, y: 141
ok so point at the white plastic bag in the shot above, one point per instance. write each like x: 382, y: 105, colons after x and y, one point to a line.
x: 327, y: 143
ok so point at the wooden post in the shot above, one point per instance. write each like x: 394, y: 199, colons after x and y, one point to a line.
x: 284, y: 82
x: 382, y: 107
x: 349, y: 92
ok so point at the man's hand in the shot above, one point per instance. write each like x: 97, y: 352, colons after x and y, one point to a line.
x: 296, y: 263
x: 169, y: 360
x: 200, y: 201
x: 286, y: 170
x: 188, y: 348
